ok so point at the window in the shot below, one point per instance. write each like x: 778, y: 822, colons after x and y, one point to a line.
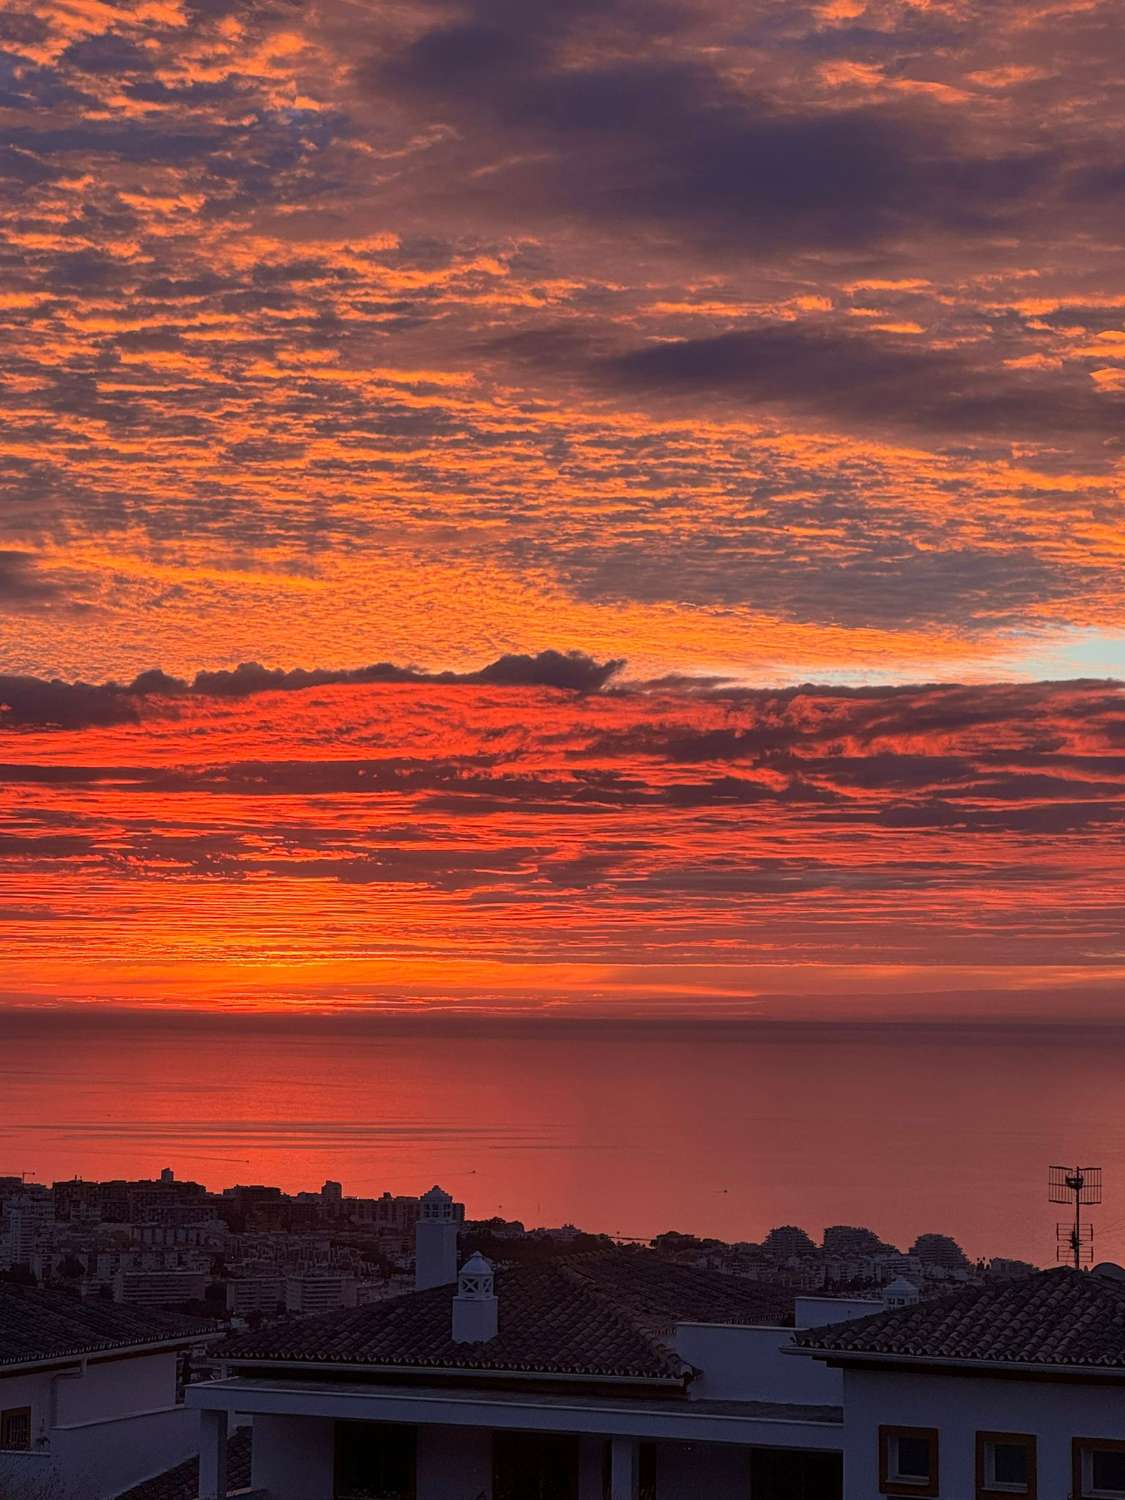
x: 375, y: 1461
x: 1005, y: 1465
x: 1099, y: 1469
x: 534, y: 1466
x: 789, y: 1474
x: 15, y: 1429
x: 908, y: 1460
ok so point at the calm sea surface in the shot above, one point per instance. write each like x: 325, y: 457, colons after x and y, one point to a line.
x: 715, y: 1131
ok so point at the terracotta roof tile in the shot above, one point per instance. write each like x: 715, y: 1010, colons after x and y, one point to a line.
x: 36, y: 1325
x: 594, y: 1316
x: 1057, y: 1317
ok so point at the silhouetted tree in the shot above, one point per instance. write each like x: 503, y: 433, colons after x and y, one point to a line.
x: 787, y: 1239
x: 940, y: 1250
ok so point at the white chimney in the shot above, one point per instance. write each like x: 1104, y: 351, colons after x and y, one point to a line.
x: 435, y: 1241
x: 475, y: 1308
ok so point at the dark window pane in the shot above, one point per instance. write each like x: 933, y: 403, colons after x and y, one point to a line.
x: 15, y: 1428
x: 788, y: 1474
x: 647, y: 1475
x: 534, y: 1466
x: 1009, y: 1463
x: 1108, y: 1470
x: 913, y: 1457
x: 375, y: 1461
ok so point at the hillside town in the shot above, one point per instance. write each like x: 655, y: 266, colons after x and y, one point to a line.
x: 253, y: 1252
x: 326, y: 1351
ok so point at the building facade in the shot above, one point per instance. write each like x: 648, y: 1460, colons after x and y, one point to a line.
x: 1015, y: 1389
x: 622, y: 1378
x: 89, y: 1395
x: 609, y: 1377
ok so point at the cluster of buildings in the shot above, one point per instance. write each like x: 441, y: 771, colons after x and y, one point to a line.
x: 253, y: 1253
x: 245, y: 1253
x: 847, y: 1259
x: 612, y: 1373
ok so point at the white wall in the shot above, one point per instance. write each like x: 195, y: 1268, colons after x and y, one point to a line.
x: 293, y: 1458
x: 117, y: 1388
x: 817, y: 1312
x: 746, y: 1364
x: 959, y: 1407
x: 104, y: 1458
x: 114, y: 1425
x: 108, y: 1389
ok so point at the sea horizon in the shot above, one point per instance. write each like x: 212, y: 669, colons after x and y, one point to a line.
x: 715, y: 1129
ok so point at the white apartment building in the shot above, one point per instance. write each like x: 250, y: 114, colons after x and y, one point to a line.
x: 312, y: 1292
x: 158, y: 1288
x: 26, y: 1222
x: 619, y: 1376
x: 201, y: 1234
x: 611, y: 1375
x: 88, y: 1395
x: 109, y: 1264
x: 254, y: 1294
x: 1011, y: 1389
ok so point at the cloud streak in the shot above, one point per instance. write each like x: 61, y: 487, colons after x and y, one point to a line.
x: 353, y: 842
x: 36, y: 702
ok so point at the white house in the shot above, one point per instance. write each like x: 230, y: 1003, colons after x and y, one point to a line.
x: 88, y: 1395
x: 1011, y: 1389
x: 613, y: 1375
x: 620, y: 1376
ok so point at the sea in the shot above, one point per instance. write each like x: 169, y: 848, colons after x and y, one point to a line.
x: 709, y: 1129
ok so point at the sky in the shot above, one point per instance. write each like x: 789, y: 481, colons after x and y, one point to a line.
x: 531, y: 508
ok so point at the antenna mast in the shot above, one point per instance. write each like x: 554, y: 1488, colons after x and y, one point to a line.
x: 1077, y: 1185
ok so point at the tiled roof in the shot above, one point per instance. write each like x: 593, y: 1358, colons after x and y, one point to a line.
x: 594, y: 1316
x: 658, y: 1290
x: 182, y: 1482
x: 37, y: 1325
x: 1058, y: 1317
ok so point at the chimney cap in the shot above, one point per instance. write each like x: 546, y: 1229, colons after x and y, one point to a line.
x: 475, y: 1281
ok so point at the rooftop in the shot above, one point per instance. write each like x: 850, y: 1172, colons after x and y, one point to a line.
x: 1058, y: 1318
x: 598, y: 1316
x: 37, y: 1325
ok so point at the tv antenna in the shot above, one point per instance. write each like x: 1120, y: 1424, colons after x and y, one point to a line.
x: 1080, y: 1186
